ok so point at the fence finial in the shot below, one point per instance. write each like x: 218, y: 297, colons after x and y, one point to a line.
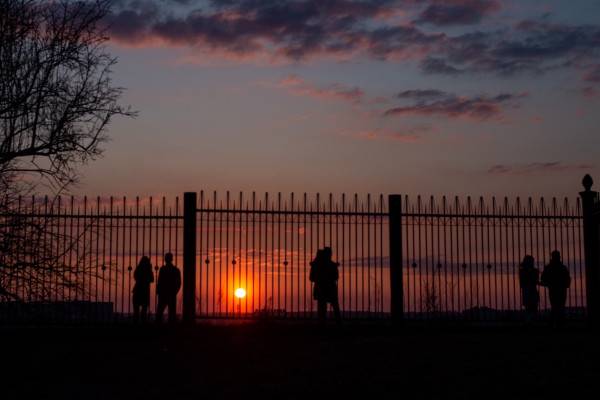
x: 587, y: 182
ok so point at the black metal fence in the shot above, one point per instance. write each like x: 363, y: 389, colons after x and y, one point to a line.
x: 74, y: 258
x: 461, y: 258
x: 264, y: 247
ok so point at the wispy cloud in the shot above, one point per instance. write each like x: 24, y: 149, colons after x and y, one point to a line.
x: 335, y: 91
x: 432, y: 102
x: 402, y: 135
x: 534, y: 168
x: 421, y: 94
x: 457, y: 12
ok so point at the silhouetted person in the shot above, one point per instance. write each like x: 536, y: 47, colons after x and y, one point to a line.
x: 143, y: 277
x: 557, y: 279
x: 529, y: 277
x: 324, y: 273
x: 167, y: 287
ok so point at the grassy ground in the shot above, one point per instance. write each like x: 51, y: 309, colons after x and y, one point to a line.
x: 297, y: 361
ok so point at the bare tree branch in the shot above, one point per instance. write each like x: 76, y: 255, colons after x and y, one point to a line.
x: 56, y: 93
x: 57, y: 100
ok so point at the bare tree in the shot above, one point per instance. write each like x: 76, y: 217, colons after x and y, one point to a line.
x: 56, y: 92
x: 57, y: 99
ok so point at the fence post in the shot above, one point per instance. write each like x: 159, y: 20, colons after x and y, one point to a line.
x: 591, y: 243
x: 189, y: 256
x: 395, y: 236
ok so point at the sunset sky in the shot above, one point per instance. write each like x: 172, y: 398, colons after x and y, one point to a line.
x: 480, y: 97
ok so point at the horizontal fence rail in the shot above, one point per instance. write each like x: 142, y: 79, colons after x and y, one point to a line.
x: 74, y: 258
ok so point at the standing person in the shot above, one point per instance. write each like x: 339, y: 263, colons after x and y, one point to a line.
x: 143, y: 277
x: 557, y: 279
x: 529, y: 279
x: 324, y: 273
x: 167, y: 287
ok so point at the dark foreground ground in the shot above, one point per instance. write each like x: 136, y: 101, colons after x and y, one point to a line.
x: 298, y: 361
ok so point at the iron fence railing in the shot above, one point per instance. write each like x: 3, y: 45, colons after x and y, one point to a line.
x: 74, y: 258
x: 264, y: 246
x: 70, y: 258
x: 461, y: 259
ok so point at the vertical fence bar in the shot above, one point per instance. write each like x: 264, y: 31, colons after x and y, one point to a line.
x: 189, y: 256
x: 395, y: 237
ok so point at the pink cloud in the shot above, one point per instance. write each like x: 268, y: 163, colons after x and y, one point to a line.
x: 408, y: 135
x: 336, y: 91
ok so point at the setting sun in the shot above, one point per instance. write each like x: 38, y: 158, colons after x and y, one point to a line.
x: 240, y: 293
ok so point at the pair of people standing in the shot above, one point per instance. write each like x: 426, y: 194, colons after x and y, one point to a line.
x: 167, y: 287
x: 324, y: 274
x: 555, y: 278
